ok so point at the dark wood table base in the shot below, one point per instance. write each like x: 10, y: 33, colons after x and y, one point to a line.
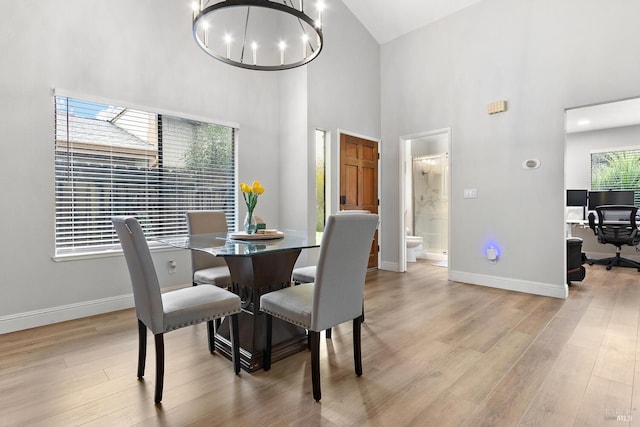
x: 290, y: 340
x: 253, y: 276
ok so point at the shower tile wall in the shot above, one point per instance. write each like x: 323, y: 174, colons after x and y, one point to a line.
x: 430, y: 193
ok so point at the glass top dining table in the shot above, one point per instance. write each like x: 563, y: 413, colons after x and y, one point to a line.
x: 257, y: 266
x: 237, y: 244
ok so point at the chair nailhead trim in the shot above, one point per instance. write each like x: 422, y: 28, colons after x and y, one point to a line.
x: 295, y: 322
x: 204, y: 319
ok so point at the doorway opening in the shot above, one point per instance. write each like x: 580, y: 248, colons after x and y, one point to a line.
x: 601, y: 167
x: 424, y: 215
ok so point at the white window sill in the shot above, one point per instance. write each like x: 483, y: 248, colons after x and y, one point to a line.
x: 107, y: 253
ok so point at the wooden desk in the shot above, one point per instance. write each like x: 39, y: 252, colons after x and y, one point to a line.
x: 256, y: 267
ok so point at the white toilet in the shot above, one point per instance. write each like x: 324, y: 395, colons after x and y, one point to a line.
x: 414, y: 247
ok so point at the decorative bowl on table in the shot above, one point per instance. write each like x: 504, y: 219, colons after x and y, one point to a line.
x: 264, y: 234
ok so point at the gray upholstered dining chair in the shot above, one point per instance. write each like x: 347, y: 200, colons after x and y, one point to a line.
x: 308, y: 274
x: 207, y: 269
x: 164, y: 312
x: 304, y: 274
x: 335, y: 296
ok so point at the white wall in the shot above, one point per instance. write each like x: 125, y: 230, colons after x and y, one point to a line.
x: 141, y: 54
x: 294, y: 178
x: 541, y: 56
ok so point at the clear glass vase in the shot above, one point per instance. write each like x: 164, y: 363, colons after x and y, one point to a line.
x: 250, y: 223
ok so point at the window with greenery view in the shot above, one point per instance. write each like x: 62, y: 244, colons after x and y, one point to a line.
x: 616, y: 170
x: 321, y: 211
x: 120, y: 161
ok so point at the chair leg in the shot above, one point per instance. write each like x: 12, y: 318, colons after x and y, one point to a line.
x: 159, y: 338
x: 211, y: 335
x: 327, y: 333
x: 315, y: 364
x: 266, y: 357
x: 142, y: 348
x: 357, y: 348
x: 234, y: 334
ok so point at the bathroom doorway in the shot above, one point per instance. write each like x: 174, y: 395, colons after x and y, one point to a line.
x: 425, y: 198
x: 430, y: 197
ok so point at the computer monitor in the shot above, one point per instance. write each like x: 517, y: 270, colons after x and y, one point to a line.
x: 611, y: 197
x: 577, y: 197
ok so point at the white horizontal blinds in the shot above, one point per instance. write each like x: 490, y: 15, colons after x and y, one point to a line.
x: 616, y: 170
x: 197, y: 161
x: 120, y: 161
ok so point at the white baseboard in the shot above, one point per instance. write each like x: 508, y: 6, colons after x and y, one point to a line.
x: 390, y: 266
x: 47, y: 316
x: 536, y: 288
x: 433, y: 256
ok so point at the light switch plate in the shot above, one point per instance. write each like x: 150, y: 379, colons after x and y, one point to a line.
x: 470, y: 193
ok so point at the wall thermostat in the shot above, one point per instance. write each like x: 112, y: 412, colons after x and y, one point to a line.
x: 531, y: 164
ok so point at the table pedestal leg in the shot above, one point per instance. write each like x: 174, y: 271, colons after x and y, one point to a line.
x: 253, y: 276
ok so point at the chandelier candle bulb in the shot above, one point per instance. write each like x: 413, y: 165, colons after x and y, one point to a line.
x: 282, y: 46
x: 196, y: 6
x: 320, y: 7
x: 254, y: 49
x: 227, y: 39
x: 305, y: 42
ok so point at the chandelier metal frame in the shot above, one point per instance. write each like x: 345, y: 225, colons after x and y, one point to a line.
x: 200, y: 35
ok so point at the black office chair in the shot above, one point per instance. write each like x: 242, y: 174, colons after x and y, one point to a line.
x: 616, y: 226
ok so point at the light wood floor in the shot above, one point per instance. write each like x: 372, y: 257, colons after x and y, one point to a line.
x: 434, y: 353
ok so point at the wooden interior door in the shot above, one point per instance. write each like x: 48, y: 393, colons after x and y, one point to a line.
x: 359, y: 180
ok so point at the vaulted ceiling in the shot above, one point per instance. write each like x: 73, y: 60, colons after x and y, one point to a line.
x: 387, y: 20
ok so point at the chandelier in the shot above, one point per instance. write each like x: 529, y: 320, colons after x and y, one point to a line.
x: 258, y: 34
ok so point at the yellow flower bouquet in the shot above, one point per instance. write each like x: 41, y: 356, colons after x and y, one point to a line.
x: 250, y: 194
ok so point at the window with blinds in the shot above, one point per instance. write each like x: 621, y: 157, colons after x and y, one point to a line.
x: 120, y: 161
x: 616, y: 170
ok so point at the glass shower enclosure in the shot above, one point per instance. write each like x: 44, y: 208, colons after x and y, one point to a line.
x: 430, y: 203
